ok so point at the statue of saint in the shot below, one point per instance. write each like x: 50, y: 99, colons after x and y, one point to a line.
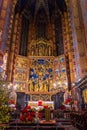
x: 36, y: 87
x: 32, y: 50
x: 49, y: 51
x: 85, y: 96
x: 40, y: 50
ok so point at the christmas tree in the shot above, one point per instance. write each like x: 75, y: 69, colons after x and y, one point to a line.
x: 4, y: 101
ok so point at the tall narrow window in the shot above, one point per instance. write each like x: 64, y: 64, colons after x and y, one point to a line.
x: 59, y: 36
x: 41, y: 27
x: 41, y: 24
x: 24, y: 37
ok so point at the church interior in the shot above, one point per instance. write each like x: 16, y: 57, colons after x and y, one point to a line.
x: 43, y: 63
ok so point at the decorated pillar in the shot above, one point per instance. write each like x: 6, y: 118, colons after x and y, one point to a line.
x: 4, y: 23
x: 83, y: 5
x: 75, y: 48
x: 68, y: 47
x: 78, y: 40
x: 5, y: 10
x: 13, y: 49
x: 12, y: 36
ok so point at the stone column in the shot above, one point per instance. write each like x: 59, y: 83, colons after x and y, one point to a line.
x: 83, y: 8
x: 5, y: 11
x: 78, y: 40
x: 68, y: 47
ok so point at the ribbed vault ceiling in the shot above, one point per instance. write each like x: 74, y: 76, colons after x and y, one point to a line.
x: 32, y: 7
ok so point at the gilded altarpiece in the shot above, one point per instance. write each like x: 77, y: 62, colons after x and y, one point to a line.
x: 21, y: 73
x: 41, y: 47
x: 40, y: 76
x: 60, y: 73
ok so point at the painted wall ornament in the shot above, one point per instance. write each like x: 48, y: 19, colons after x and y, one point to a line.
x: 0, y: 34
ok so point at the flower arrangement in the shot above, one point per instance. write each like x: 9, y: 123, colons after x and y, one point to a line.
x: 32, y: 115
x: 11, y: 101
x: 27, y: 114
x: 68, y: 100
x: 67, y: 103
x: 12, y: 105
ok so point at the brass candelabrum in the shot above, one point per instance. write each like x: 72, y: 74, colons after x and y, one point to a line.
x: 47, y: 114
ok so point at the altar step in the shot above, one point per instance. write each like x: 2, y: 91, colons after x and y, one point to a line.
x: 50, y: 127
x: 71, y: 128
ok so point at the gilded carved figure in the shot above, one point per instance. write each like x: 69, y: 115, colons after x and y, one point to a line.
x: 32, y: 50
